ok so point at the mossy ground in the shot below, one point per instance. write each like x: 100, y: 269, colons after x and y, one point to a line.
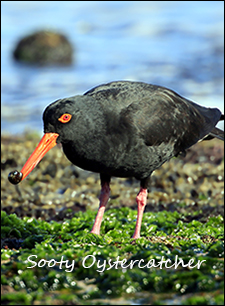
x: 186, y: 223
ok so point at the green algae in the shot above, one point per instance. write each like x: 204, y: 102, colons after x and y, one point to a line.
x: 112, y: 265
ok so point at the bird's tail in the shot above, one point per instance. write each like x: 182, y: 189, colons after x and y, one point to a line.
x: 216, y: 133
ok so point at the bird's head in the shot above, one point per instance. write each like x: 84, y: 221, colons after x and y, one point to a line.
x: 60, y: 119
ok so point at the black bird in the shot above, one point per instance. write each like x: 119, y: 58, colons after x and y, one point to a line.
x: 123, y: 129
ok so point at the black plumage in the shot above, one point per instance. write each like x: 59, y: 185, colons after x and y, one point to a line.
x: 126, y: 129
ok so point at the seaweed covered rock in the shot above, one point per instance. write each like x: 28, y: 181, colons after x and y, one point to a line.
x: 44, y: 48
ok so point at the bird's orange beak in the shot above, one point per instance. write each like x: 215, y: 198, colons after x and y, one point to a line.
x: 47, y: 142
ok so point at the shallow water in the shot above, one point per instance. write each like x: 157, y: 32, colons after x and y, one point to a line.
x: 179, y: 45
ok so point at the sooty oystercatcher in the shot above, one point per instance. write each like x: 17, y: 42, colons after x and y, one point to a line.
x: 123, y: 129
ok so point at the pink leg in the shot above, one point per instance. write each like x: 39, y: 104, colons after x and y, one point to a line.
x: 141, y: 202
x: 104, y: 197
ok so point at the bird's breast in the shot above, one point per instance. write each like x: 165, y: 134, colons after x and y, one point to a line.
x: 118, y: 159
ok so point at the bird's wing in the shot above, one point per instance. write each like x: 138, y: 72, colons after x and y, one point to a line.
x: 165, y: 117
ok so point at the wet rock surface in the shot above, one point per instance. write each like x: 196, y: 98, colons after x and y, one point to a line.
x: 56, y: 189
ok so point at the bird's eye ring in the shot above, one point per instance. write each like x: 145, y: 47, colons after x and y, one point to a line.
x: 65, y: 118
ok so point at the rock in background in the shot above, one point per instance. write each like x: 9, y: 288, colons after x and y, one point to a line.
x: 44, y: 48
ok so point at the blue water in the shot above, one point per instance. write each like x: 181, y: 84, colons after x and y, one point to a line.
x: 177, y: 44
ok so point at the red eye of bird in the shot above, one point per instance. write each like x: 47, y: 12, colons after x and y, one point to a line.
x: 65, y: 118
